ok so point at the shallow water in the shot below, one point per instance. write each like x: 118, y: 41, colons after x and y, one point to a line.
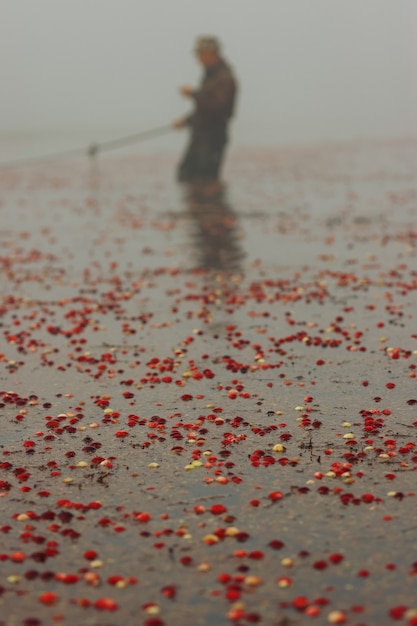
x: 215, y: 326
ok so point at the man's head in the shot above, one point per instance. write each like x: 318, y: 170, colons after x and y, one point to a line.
x: 207, y: 50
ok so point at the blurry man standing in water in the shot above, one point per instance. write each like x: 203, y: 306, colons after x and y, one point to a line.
x: 214, y: 103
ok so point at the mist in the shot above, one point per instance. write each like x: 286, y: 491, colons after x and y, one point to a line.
x: 307, y: 70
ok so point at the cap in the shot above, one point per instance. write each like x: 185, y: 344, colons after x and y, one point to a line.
x: 204, y: 44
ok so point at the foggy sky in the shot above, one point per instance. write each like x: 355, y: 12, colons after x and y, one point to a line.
x: 308, y: 69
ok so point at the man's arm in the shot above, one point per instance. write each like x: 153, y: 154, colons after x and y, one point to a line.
x: 187, y: 92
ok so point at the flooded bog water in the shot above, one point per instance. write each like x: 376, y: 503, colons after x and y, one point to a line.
x: 208, y: 396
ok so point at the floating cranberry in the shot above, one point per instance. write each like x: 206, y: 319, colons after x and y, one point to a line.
x: 90, y: 555
x: 218, y: 509
x: 49, y: 598
x: 300, y: 603
x: 275, y: 495
x: 106, y: 604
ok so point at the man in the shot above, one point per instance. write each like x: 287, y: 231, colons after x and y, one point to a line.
x: 213, y: 107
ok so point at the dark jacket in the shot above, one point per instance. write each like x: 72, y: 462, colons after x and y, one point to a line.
x: 214, y: 100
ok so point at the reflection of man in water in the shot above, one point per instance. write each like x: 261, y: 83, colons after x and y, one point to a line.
x: 216, y: 234
x: 213, y: 107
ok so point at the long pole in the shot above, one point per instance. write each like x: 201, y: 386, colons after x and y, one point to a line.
x: 125, y: 141
x: 91, y: 151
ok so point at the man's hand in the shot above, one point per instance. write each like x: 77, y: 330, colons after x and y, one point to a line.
x: 186, y: 91
x: 180, y: 123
